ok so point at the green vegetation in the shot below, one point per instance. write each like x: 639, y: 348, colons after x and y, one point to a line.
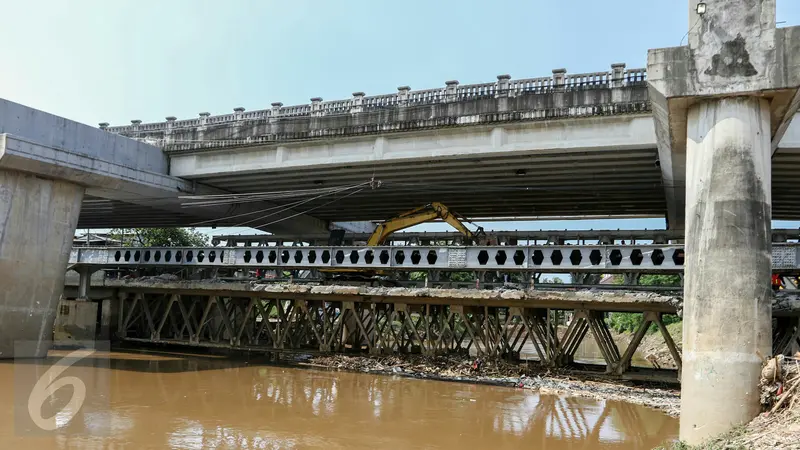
x: 159, y: 237
x: 629, y: 322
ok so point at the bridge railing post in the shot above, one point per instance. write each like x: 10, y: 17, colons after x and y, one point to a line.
x: 450, y: 92
x: 503, y: 84
x: 238, y: 113
x: 169, y: 128
x: 357, y: 105
x: 316, y: 106
x: 559, y: 78
x: 402, y: 95
x: 617, y: 75
x: 203, y: 120
x: 136, y: 123
x: 275, y: 111
x: 202, y: 128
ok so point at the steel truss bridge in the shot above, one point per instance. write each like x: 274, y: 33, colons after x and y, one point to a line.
x: 651, y: 258
x: 330, y: 323
x: 267, y: 318
x: 278, y: 317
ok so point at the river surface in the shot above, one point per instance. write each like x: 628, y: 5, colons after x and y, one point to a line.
x: 176, y: 401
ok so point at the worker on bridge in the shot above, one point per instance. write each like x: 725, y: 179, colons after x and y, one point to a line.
x: 777, y: 282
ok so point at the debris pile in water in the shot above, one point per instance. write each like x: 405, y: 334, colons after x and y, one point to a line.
x: 502, y: 372
x: 780, y: 383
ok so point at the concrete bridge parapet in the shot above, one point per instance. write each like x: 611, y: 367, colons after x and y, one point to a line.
x: 562, y: 95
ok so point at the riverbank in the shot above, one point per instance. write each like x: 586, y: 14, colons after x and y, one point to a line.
x: 779, y: 431
x: 778, y: 427
x: 500, y: 372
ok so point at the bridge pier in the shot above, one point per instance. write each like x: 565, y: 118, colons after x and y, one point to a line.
x: 720, y: 106
x: 38, y: 218
x: 727, y: 309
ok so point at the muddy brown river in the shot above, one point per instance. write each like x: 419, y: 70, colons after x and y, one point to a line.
x: 177, y: 401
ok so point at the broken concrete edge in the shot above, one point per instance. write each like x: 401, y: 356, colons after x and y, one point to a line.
x: 577, y: 298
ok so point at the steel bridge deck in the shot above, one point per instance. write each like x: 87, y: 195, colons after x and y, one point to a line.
x: 664, y: 258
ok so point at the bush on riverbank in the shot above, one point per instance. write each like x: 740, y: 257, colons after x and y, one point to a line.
x: 629, y: 322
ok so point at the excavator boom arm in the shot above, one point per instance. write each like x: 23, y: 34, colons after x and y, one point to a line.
x: 417, y: 216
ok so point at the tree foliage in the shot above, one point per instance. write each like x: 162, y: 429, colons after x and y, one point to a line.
x: 652, y: 280
x: 159, y: 237
x: 629, y: 322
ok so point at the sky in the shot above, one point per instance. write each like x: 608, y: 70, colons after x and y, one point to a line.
x: 113, y: 61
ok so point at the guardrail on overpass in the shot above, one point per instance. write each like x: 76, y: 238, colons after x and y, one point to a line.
x: 618, y: 91
x: 618, y: 76
x: 548, y: 258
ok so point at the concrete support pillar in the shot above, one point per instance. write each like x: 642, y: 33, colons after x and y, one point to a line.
x: 726, y: 314
x: 38, y: 218
x: 84, y: 282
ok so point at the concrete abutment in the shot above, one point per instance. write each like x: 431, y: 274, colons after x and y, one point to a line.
x: 38, y: 218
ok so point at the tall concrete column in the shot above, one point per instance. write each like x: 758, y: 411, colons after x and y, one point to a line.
x: 720, y: 106
x: 38, y: 218
x: 728, y: 262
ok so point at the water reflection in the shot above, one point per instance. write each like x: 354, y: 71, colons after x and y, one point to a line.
x: 195, y: 402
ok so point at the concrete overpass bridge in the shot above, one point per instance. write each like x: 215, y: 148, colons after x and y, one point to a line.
x: 566, y: 145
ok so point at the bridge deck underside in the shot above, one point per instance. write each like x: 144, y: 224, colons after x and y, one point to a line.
x: 548, y: 183
x: 544, y: 184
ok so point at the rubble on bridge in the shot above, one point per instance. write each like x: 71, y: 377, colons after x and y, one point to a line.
x: 784, y: 302
x: 670, y: 300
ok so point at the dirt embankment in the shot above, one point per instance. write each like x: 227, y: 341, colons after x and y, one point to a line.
x: 500, y: 372
x: 653, y: 348
x: 778, y: 427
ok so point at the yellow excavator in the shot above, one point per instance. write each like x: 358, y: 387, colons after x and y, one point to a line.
x: 416, y: 216
x: 427, y: 213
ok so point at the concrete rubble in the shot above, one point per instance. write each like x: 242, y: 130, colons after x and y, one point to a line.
x: 784, y: 302
x: 591, y: 295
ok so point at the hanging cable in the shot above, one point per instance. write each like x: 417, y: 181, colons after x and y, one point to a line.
x: 310, y: 209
